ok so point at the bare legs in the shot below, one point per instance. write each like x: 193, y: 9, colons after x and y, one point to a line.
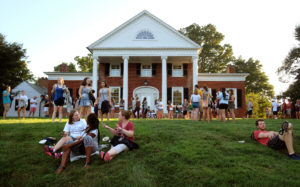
x: 55, y: 111
x: 85, y: 111
x: 101, y: 115
x: 195, y: 113
x: 23, y: 110
x: 232, y: 114
x: 206, y: 114
x: 287, y: 137
x: 222, y: 115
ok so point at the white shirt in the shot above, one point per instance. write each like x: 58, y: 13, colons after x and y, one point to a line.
x: 23, y: 97
x: 33, y: 102
x: 76, y: 129
x: 160, y: 105
x: 274, y: 106
x: 222, y: 99
x: 195, y: 98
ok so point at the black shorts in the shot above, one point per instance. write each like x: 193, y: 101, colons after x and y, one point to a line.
x: 223, y: 106
x: 275, y: 112
x: 249, y: 112
x: 276, y: 143
x: 59, y: 102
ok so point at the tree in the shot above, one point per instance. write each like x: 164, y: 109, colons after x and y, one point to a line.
x: 291, y: 67
x: 256, y: 81
x: 260, y: 103
x: 214, y: 57
x: 71, y: 67
x: 13, y: 69
x: 85, y: 63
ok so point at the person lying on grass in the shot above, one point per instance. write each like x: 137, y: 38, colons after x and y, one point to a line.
x: 87, y: 145
x: 74, y: 129
x: 123, y: 139
x: 275, y: 140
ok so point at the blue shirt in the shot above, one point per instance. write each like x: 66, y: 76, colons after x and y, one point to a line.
x: 58, y: 93
x: 6, y: 99
x: 222, y: 99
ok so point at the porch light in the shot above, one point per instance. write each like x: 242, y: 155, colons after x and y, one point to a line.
x: 146, y: 82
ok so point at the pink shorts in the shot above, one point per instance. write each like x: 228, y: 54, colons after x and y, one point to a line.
x: 32, y: 109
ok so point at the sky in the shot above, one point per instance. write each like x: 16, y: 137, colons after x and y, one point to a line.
x: 56, y: 31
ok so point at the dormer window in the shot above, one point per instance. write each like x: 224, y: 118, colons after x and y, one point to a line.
x: 144, y: 35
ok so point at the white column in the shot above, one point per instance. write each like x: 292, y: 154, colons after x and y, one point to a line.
x: 195, y: 71
x: 95, y: 75
x: 164, y: 82
x: 125, y: 81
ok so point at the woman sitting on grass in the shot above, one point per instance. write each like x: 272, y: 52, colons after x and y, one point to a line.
x: 123, y: 139
x: 87, y: 144
x: 74, y: 130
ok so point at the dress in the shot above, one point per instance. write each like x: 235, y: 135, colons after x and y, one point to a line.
x: 58, y: 95
x: 103, y: 104
x: 85, y: 99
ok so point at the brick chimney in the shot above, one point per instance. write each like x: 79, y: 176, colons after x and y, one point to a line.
x: 230, y: 69
x: 43, y: 81
x: 64, y: 68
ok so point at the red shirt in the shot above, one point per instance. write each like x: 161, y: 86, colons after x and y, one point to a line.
x: 128, y: 127
x: 284, y: 106
x: 263, y: 141
x: 289, y: 105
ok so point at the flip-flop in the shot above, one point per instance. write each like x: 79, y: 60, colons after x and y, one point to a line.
x: 102, y: 155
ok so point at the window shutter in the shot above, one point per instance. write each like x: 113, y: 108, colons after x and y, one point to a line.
x: 71, y: 92
x: 239, y: 98
x: 214, y: 94
x: 121, y: 94
x: 154, y: 70
x: 138, y: 69
x: 77, y: 94
x: 186, y: 93
x: 122, y: 69
x: 106, y: 70
x: 169, y: 69
x: 185, y: 68
x: 169, y: 94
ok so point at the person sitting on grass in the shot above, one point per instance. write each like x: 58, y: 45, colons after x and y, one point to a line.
x: 74, y: 129
x: 123, y: 139
x: 87, y: 144
x: 275, y: 140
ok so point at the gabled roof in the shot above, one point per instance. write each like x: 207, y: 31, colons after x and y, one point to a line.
x: 144, y: 12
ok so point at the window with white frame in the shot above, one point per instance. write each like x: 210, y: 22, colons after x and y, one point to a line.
x: 115, y: 94
x: 115, y: 70
x: 146, y: 70
x: 177, y: 95
x: 177, y: 70
x: 235, y: 95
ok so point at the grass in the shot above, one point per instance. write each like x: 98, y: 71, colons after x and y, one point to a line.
x: 172, y: 153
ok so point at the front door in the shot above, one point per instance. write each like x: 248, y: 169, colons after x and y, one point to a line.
x: 148, y: 92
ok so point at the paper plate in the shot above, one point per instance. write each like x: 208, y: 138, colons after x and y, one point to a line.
x: 42, y: 141
x: 105, y: 139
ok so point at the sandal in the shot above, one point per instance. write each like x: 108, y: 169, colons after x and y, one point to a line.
x: 284, y: 127
x: 87, y: 165
x: 60, y: 169
x: 102, y: 155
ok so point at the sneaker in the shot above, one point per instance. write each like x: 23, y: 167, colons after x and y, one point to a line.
x: 57, y: 155
x: 284, y: 127
x: 294, y: 157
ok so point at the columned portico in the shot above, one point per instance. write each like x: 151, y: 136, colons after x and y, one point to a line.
x: 125, y: 81
x: 195, y: 71
x: 164, y: 82
x: 95, y: 75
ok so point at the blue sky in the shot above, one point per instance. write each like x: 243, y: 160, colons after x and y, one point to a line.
x: 58, y: 30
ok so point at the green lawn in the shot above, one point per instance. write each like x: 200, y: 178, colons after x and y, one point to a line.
x: 172, y: 153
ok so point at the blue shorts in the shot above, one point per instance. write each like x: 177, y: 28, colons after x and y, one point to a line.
x: 195, y: 104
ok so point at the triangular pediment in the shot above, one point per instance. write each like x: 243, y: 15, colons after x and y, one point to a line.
x: 144, y: 31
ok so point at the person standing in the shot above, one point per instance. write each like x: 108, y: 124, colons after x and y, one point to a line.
x: 33, y: 105
x: 144, y: 107
x: 46, y: 106
x: 185, y: 108
x: 170, y: 110
x: 104, y: 101
x: 284, y: 109
x: 85, y: 101
x: 231, y: 105
x: 275, y: 109
x: 250, y: 108
x: 22, y: 103
x: 6, y: 101
x: 223, y: 98
x: 289, y: 109
x: 205, y: 103
x: 297, y: 109
x: 57, y: 92
x: 68, y: 105
x: 122, y: 104
x: 195, y: 99
x: 137, y: 108
x: 160, y: 108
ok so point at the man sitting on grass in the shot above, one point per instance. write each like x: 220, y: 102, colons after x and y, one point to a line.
x: 275, y: 140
